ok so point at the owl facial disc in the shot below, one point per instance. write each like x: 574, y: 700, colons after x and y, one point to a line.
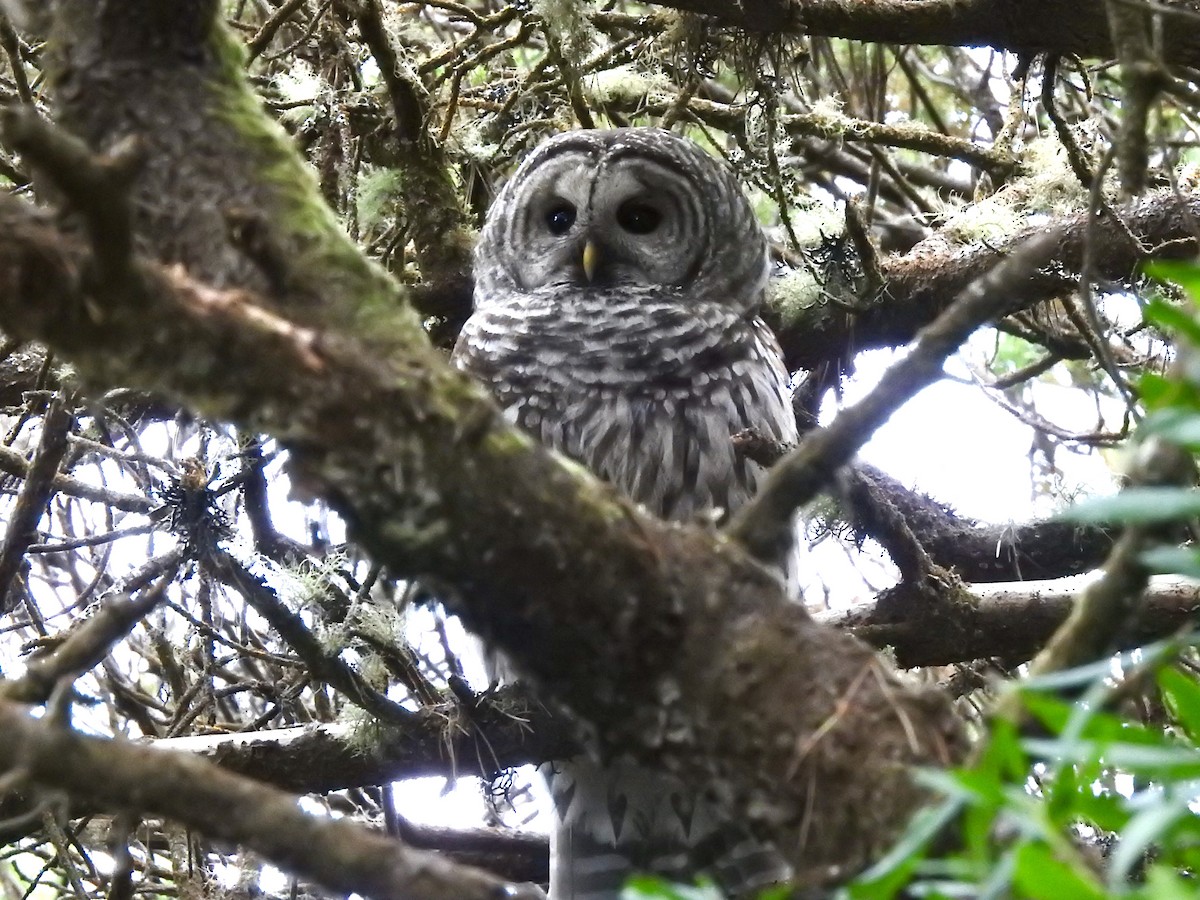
x: 632, y: 208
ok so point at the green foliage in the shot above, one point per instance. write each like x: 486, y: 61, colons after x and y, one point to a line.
x: 1094, y: 795
x: 1091, y: 805
x: 1141, y: 506
x: 649, y: 887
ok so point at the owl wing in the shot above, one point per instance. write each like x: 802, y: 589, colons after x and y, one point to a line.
x: 664, y: 437
x: 679, y: 459
x: 655, y: 417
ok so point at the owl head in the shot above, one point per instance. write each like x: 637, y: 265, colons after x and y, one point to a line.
x: 627, y: 207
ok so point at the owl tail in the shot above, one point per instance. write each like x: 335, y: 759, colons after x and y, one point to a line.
x: 584, y: 868
x: 617, y: 821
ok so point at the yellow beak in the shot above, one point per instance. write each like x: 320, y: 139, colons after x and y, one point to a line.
x: 591, y: 257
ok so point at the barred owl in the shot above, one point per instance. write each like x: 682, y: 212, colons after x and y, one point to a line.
x: 617, y: 284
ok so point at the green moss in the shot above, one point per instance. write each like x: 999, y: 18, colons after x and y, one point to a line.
x: 507, y: 442
x: 416, y: 532
x: 354, y: 293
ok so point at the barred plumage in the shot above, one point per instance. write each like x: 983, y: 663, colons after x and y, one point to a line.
x: 618, y: 279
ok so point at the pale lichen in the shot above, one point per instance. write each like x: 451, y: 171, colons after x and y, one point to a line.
x: 793, y: 293
x: 298, y: 86
x: 476, y: 143
x: 569, y: 23
x: 1045, y: 184
x: 382, y: 624
x: 626, y: 84
x: 378, y: 196
x: 374, y: 671
x: 813, y: 220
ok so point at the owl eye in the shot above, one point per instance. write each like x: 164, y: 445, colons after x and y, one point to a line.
x: 560, y: 218
x: 637, y: 217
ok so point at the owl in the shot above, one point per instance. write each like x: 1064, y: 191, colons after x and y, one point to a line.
x: 618, y: 279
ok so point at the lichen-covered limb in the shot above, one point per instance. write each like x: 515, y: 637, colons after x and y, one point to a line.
x: 668, y: 640
x: 222, y: 189
x: 507, y: 729
x: 985, y: 628
x: 919, y: 285
x: 119, y: 775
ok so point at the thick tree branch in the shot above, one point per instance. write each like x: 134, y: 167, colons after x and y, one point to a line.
x: 31, y: 501
x: 503, y: 731
x: 919, y: 285
x: 1011, y: 622
x: 1067, y: 27
x: 763, y: 524
x: 878, y: 506
x: 437, y: 221
x: 1142, y: 77
x: 438, y: 740
x: 1031, y: 551
x: 15, y: 464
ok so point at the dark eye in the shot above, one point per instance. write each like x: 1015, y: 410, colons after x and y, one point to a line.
x: 560, y: 218
x: 637, y: 217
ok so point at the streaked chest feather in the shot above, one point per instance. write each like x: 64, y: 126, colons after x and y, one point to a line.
x: 648, y: 402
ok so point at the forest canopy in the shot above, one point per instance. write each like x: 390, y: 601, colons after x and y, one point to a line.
x: 250, y: 511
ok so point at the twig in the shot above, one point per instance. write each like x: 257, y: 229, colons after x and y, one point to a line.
x: 764, y: 525
x: 35, y: 494
x: 869, y: 502
x: 91, y: 641
x: 13, y: 463
x: 11, y: 43
x: 292, y: 629
x: 1075, y: 154
x: 91, y: 540
x: 1025, y: 373
x: 274, y: 22
x: 1142, y: 77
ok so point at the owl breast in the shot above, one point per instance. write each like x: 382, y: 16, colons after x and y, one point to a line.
x: 642, y: 387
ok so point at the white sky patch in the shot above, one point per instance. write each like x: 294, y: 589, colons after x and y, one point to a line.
x: 950, y: 442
